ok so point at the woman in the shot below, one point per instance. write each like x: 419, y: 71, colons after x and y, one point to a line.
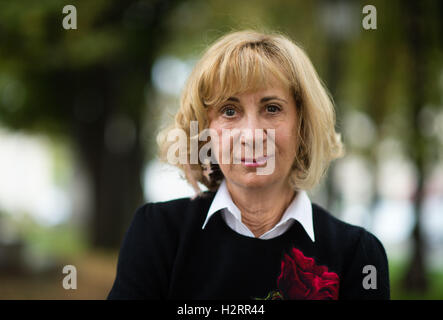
x: 252, y: 235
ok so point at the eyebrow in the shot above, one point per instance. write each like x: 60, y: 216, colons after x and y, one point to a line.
x: 264, y: 99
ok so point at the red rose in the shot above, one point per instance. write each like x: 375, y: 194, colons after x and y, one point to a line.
x: 302, y: 279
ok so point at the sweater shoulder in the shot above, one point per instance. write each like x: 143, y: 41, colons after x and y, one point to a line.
x: 353, y: 249
x: 327, y: 221
x: 177, y: 213
x: 331, y: 229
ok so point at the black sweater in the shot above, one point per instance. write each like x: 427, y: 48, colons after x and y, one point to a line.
x: 165, y: 254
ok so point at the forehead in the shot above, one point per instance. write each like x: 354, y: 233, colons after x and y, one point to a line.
x: 276, y: 90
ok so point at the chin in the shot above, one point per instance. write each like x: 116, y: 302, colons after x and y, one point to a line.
x: 252, y: 180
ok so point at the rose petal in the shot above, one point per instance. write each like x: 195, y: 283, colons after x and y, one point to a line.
x: 302, y: 278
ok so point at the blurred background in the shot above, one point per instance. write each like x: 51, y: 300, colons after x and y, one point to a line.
x: 80, y: 110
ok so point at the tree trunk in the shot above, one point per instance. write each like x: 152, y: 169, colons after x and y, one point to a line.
x: 101, y: 93
x: 415, y: 277
x: 333, y: 78
x: 116, y: 182
x: 117, y: 189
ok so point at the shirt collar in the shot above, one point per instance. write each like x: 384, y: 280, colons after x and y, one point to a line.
x: 299, y: 209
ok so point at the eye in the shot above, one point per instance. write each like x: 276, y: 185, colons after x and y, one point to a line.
x: 228, y: 111
x: 272, y: 108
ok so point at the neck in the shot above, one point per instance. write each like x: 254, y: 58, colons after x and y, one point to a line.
x: 261, y: 208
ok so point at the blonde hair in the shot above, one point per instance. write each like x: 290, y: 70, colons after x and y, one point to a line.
x: 242, y: 61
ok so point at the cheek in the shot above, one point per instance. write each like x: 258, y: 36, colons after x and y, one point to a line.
x: 285, y: 144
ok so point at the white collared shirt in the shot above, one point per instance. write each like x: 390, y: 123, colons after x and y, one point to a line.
x: 300, y: 209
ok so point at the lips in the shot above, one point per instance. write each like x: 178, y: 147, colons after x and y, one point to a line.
x: 254, y: 162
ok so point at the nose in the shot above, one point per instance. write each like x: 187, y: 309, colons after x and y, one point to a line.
x: 252, y: 128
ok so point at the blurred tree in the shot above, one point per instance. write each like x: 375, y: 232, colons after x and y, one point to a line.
x: 338, y: 20
x: 89, y: 86
x: 395, y: 73
x: 377, y: 51
x: 419, y: 45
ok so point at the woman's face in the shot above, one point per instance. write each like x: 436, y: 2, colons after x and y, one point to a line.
x: 270, y: 108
